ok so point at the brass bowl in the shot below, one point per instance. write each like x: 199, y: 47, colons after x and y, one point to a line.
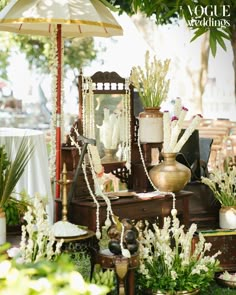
x: 226, y: 283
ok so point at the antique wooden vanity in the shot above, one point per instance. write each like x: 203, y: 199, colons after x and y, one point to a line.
x: 82, y: 208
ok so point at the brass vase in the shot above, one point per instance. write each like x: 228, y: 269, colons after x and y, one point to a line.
x: 110, y: 156
x: 170, y: 175
x: 193, y: 292
x: 151, y: 125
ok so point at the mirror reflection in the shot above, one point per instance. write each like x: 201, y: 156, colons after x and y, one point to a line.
x: 110, y: 132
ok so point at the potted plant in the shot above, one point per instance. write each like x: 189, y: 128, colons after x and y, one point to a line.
x: 10, y: 173
x: 223, y: 186
x: 153, y: 86
x: 169, y: 265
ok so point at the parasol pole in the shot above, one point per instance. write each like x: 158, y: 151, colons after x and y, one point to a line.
x: 58, y: 113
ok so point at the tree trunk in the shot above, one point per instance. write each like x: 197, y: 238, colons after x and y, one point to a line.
x: 205, y: 49
x: 233, y: 43
x: 199, y: 77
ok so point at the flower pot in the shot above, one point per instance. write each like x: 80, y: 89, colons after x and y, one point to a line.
x: 170, y: 175
x: 193, y: 292
x: 151, y: 125
x: 3, y: 227
x: 227, y: 217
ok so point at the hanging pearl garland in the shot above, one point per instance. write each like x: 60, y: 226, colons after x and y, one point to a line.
x: 98, y: 232
x: 88, y: 109
x: 96, y: 169
x: 127, y: 110
x: 153, y: 185
x: 53, y: 68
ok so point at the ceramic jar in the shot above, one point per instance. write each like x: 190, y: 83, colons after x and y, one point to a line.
x: 151, y: 125
x: 227, y: 217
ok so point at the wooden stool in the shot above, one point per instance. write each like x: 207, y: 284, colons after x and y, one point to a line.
x: 124, y: 268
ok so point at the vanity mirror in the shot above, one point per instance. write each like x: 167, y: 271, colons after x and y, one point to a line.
x: 105, y: 106
x: 106, y: 115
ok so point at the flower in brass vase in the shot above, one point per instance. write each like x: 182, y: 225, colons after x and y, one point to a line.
x: 169, y: 264
x: 151, y: 81
x: 172, y: 127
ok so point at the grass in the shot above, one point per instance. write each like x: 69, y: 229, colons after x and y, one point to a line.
x: 216, y: 289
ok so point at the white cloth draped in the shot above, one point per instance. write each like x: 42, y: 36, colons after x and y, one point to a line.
x: 35, y: 178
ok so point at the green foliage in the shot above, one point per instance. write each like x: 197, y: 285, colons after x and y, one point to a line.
x: 103, y: 277
x: 15, y: 210
x: 168, y: 263
x: 222, y: 184
x: 78, y: 52
x: 170, y: 11
x: 11, y: 171
x: 45, y: 277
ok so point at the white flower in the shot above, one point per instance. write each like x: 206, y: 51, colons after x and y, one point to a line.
x: 37, y: 240
x: 170, y: 249
x: 173, y: 126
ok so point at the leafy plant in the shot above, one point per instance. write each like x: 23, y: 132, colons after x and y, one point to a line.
x: 223, y: 185
x: 12, y: 170
x: 169, y: 264
x: 15, y: 210
x: 45, y: 277
x: 103, y: 277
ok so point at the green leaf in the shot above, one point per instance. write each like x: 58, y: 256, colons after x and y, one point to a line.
x: 213, y: 44
x: 11, y: 175
x: 198, y: 33
x: 220, y: 40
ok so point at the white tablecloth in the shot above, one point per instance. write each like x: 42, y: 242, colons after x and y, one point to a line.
x: 35, y: 178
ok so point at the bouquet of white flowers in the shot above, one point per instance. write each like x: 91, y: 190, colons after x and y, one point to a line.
x: 151, y: 82
x: 169, y: 264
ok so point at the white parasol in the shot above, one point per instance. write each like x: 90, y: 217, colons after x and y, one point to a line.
x: 73, y: 18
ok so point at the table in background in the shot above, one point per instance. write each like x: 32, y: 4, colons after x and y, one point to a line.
x: 35, y: 178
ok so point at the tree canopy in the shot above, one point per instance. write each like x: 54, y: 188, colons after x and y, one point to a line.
x: 218, y: 18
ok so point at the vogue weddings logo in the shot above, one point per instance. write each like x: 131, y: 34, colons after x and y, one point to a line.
x: 207, y: 16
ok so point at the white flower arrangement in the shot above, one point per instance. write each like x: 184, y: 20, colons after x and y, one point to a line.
x: 151, y: 82
x: 222, y: 184
x: 37, y: 241
x: 172, y: 127
x: 167, y: 261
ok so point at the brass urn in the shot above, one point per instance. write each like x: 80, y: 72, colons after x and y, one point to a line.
x: 170, y: 175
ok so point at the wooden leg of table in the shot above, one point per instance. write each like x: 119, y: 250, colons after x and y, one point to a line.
x: 131, y: 282
x: 186, y: 212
